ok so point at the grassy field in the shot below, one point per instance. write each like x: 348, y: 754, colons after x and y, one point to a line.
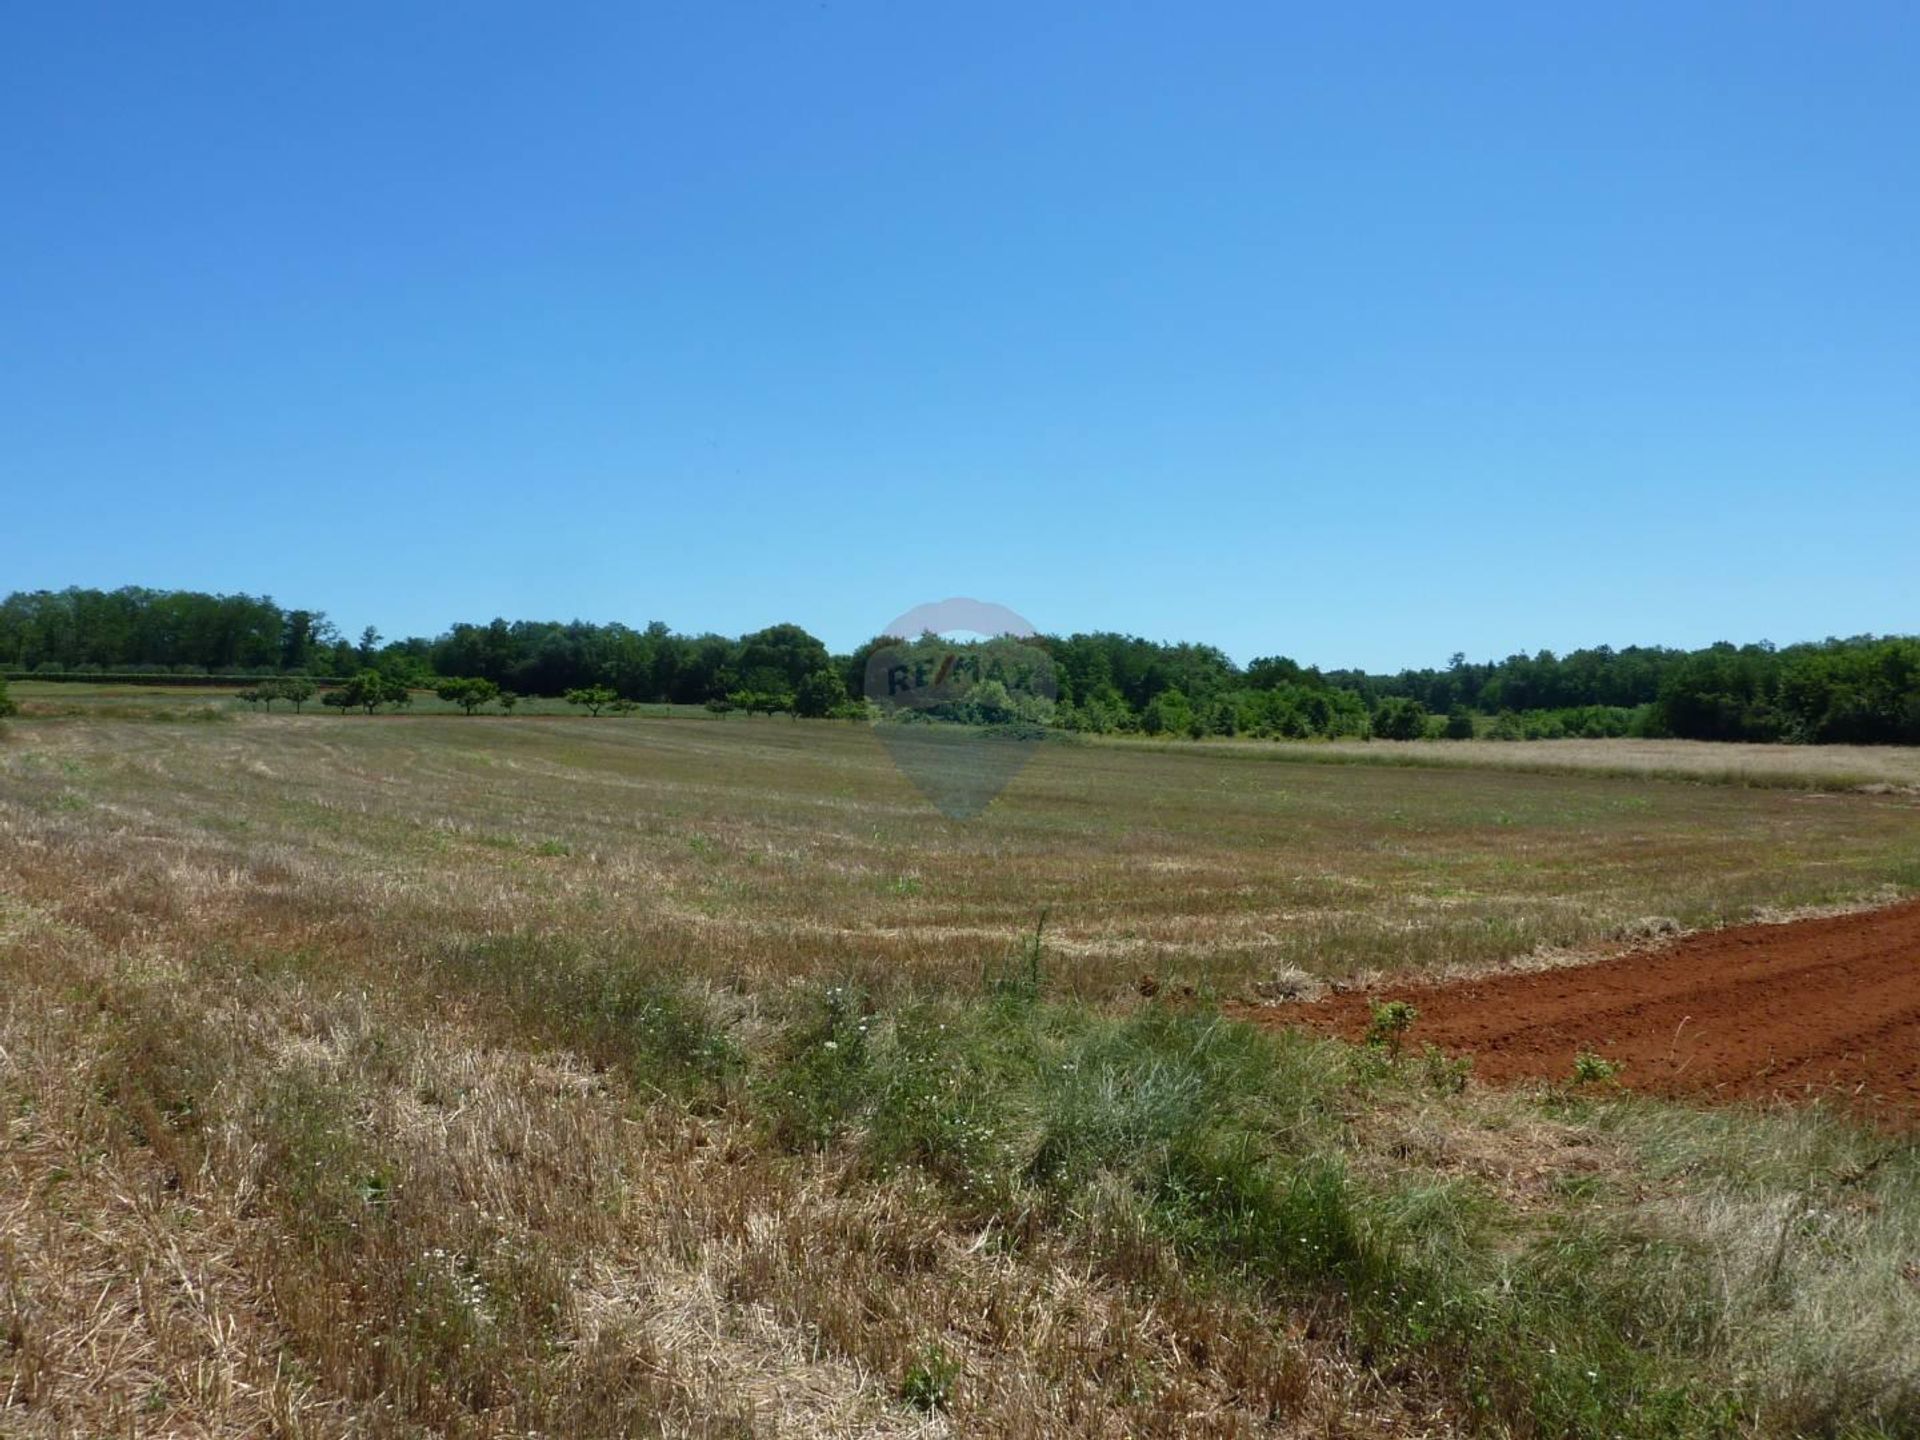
x: 1796, y: 767
x: 423, y: 1075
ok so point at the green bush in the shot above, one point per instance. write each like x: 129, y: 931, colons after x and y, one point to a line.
x: 1592, y: 1069
x: 1388, y: 1024
x: 1168, y: 713
x: 1507, y: 726
x: 758, y: 702
x: 1398, y: 718
x: 820, y: 694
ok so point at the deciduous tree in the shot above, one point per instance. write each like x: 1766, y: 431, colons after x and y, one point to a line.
x: 470, y: 694
x: 819, y: 694
x: 592, y: 698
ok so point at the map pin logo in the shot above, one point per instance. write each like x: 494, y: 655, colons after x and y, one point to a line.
x: 962, y: 695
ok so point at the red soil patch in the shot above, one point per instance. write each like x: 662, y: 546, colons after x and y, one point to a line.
x: 1812, y: 1007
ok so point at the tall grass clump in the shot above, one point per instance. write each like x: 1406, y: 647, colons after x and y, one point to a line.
x: 1229, y: 1146
x: 1805, y: 1227
x: 661, y: 1031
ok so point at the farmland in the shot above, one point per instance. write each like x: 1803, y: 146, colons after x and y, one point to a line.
x: 421, y: 1074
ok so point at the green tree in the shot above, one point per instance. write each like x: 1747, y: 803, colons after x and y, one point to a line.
x: 470, y: 695
x: 990, y: 703
x: 774, y: 661
x: 819, y: 694
x: 1459, y: 723
x: 266, y: 692
x: 304, y: 635
x: 296, y: 690
x: 592, y: 698
x: 1167, y: 713
x: 1399, y: 718
x: 506, y: 700
x: 7, y: 707
x: 369, y: 690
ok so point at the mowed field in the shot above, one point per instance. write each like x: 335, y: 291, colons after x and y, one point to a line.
x: 766, y: 850
x: 424, y: 1074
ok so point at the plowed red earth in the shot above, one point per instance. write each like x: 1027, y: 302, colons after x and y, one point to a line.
x: 1826, y: 1007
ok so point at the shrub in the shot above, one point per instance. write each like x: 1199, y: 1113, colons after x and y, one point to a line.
x: 1168, y: 713
x: 759, y: 702
x: 1507, y: 726
x: 7, y: 707
x: 818, y: 695
x: 1592, y: 1069
x: 1445, y: 1075
x: 1099, y: 714
x: 1399, y: 718
x: 1544, y: 725
x: 1391, y: 1019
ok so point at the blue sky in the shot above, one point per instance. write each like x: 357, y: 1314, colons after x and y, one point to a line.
x: 1357, y: 333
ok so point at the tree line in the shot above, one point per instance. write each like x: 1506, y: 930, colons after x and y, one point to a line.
x: 1864, y: 689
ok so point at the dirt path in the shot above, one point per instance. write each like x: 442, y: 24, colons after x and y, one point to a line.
x: 1828, y: 1006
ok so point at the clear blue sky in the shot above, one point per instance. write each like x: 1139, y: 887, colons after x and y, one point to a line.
x: 1357, y: 333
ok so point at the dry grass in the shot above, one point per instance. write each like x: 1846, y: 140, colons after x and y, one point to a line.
x: 766, y: 851
x: 1794, y: 767
x: 247, y: 1204
x: 405, y: 1077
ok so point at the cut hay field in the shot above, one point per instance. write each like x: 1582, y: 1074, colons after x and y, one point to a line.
x: 1801, y: 767
x: 427, y: 1075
